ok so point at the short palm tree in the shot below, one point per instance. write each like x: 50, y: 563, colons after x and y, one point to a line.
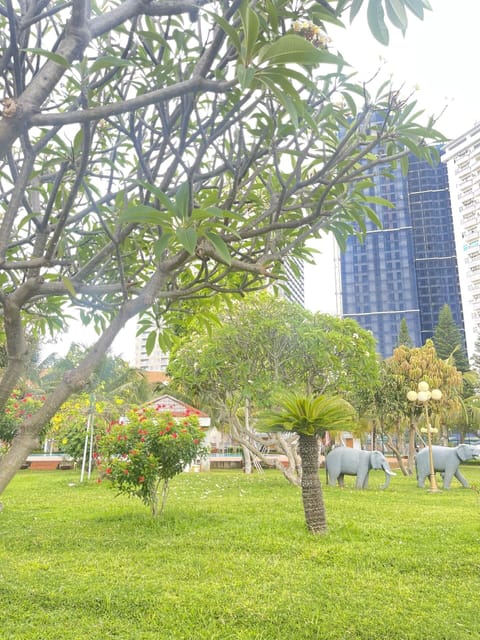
x: 310, y: 417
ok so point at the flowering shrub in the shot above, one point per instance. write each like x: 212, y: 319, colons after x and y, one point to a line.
x: 147, y: 451
x: 19, y: 407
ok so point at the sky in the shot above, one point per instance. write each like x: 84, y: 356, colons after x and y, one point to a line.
x: 438, y: 57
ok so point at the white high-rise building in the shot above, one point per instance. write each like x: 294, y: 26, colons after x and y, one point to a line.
x: 462, y: 157
x: 155, y: 361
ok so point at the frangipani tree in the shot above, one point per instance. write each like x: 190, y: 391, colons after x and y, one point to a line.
x: 265, y: 345
x: 154, y: 152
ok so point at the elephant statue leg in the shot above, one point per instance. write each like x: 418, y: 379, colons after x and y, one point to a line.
x: 362, y: 481
x: 461, y: 478
x: 341, y: 480
x: 421, y: 481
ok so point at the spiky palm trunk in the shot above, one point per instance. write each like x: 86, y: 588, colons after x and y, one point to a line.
x: 312, y: 494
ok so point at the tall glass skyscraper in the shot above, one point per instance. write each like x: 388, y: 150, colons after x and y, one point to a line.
x: 408, y: 268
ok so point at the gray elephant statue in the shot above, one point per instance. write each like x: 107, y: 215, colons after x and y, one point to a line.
x: 446, y: 460
x: 344, y: 461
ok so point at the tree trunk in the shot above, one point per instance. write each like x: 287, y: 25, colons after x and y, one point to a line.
x: 247, y: 460
x: 15, y: 457
x: 290, y: 473
x: 398, y: 455
x: 312, y: 494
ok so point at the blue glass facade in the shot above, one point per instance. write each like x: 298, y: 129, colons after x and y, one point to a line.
x: 408, y: 268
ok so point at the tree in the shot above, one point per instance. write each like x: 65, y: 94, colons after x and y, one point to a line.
x: 448, y: 340
x: 403, y: 335
x: 411, y: 366
x: 264, y: 346
x: 310, y: 417
x: 165, y: 151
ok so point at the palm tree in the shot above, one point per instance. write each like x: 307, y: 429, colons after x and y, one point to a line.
x: 310, y: 417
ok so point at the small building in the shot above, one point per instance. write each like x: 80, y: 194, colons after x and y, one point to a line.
x: 219, y: 444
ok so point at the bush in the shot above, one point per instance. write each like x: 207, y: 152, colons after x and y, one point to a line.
x: 143, y: 453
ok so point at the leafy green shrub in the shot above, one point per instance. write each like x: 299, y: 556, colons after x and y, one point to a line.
x: 143, y: 453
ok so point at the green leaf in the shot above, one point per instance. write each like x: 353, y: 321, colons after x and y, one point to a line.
x: 144, y: 214
x: 182, y: 201
x: 404, y: 165
x: 160, y: 195
x: 380, y: 201
x: 289, y: 104
x: 109, y: 62
x: 251, y: 27
x: 153, y: 36
x: 293, y: 49
x: 245, y: 75
x: 397, y: 14
x: 166, y: 340
x: 231, y: 32
x: 150, y: 342
x: 78, y: 142
x: 376, y: 21
x: 372, y: 216
x: 220, y: 246
x: 161, y: 244
x: 50, y: 55
x: 69, y: 286
x: 355, y: 8
x: 187, y: 237
x: 416, y: 7
x: 352, y: 105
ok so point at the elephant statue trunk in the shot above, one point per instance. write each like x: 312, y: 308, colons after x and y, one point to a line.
x: 388, y: 474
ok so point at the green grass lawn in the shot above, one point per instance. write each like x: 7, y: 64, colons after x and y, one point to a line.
x: 231, y: 560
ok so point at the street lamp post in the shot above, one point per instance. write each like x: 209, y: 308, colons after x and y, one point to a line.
x: 423, y: 397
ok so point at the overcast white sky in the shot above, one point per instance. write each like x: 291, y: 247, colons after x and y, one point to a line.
x: 440, y: 56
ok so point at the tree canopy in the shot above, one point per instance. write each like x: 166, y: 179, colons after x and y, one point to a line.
x: 262, y: 348
x: 156, y: 152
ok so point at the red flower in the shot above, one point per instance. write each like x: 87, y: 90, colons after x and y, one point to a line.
x: 196, y: 441
x: 108, y: 471
x: 141, y: 479
x: 174, y: 435
x: 125, y: 471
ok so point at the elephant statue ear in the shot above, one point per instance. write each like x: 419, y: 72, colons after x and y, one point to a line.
x: 376, y: 459
x: 463, y: 452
